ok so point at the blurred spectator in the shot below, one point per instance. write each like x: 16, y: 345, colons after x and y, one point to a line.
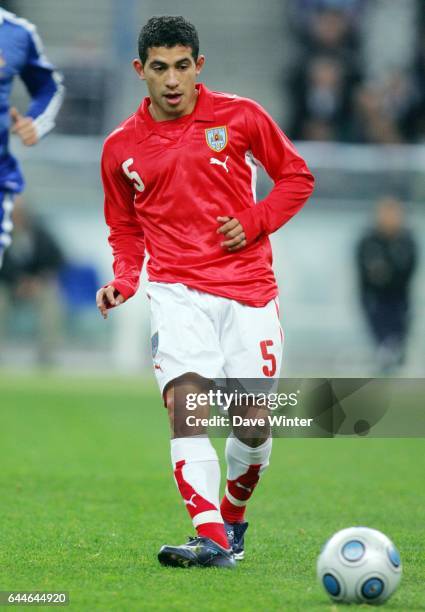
x: 327, y: 72
x: 305, y: 11
x: 321, y: 103
x: 332, y: 31
x: 331, y: 99
x: 385, y: 110
x: 88, y: 84
x: 415, y: 121
x: 386, y: 260
x: 29, y: 279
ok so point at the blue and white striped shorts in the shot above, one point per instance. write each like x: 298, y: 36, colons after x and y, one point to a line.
x: 6, y: 223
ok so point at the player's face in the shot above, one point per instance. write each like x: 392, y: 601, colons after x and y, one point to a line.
x: 390, y: 216
x: 170, y: 75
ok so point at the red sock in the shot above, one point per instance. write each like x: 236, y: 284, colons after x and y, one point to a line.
x: 244, y: 466
x: 214, y: 531
x: 232, y: 513
x: 237, y: 494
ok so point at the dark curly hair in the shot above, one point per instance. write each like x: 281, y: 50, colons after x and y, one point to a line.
x: 166, y: 31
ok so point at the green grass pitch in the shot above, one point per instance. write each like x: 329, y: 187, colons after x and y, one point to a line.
x: 87, y: 499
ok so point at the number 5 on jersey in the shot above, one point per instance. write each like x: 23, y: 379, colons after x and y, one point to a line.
x: 133, y: 175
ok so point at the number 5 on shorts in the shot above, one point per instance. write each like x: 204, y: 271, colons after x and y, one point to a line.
x: 268, y: 370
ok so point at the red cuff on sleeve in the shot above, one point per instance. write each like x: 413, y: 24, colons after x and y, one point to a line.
x: 122, y: 287
x: 251, y: 223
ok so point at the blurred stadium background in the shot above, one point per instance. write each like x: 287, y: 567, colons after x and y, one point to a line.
x: 344, y: 78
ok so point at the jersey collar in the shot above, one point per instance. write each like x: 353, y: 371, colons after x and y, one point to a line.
x: 204, y: 111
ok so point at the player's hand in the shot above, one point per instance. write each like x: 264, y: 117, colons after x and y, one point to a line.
x: 24, y: 127
x: 106, y: 298
x: 233, y: 232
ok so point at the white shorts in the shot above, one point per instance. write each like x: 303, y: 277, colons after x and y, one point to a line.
x: 211, y: 336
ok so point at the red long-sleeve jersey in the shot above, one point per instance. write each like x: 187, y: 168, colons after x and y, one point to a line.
x: 167, y: 182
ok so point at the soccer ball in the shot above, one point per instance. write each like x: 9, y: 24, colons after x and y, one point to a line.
x: 359, y: 565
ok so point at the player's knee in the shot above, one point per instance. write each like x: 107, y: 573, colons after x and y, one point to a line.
x: 253, y: 440
x: 176, y: 397
x: 250, y: 424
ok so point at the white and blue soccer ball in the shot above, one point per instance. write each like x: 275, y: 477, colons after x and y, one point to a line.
x: 359, y: 565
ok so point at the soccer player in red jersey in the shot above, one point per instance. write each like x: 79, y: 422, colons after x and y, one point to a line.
x: 179, y: 180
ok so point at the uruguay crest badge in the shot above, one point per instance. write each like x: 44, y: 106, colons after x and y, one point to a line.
x: 216, y: 138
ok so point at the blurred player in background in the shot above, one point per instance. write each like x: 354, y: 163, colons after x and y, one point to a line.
x: 29, y: 278
x: 179, y: 178
x: 21, y: 53
x: 386, y: 259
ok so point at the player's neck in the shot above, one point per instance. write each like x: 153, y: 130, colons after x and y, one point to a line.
x: 158, y: 114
